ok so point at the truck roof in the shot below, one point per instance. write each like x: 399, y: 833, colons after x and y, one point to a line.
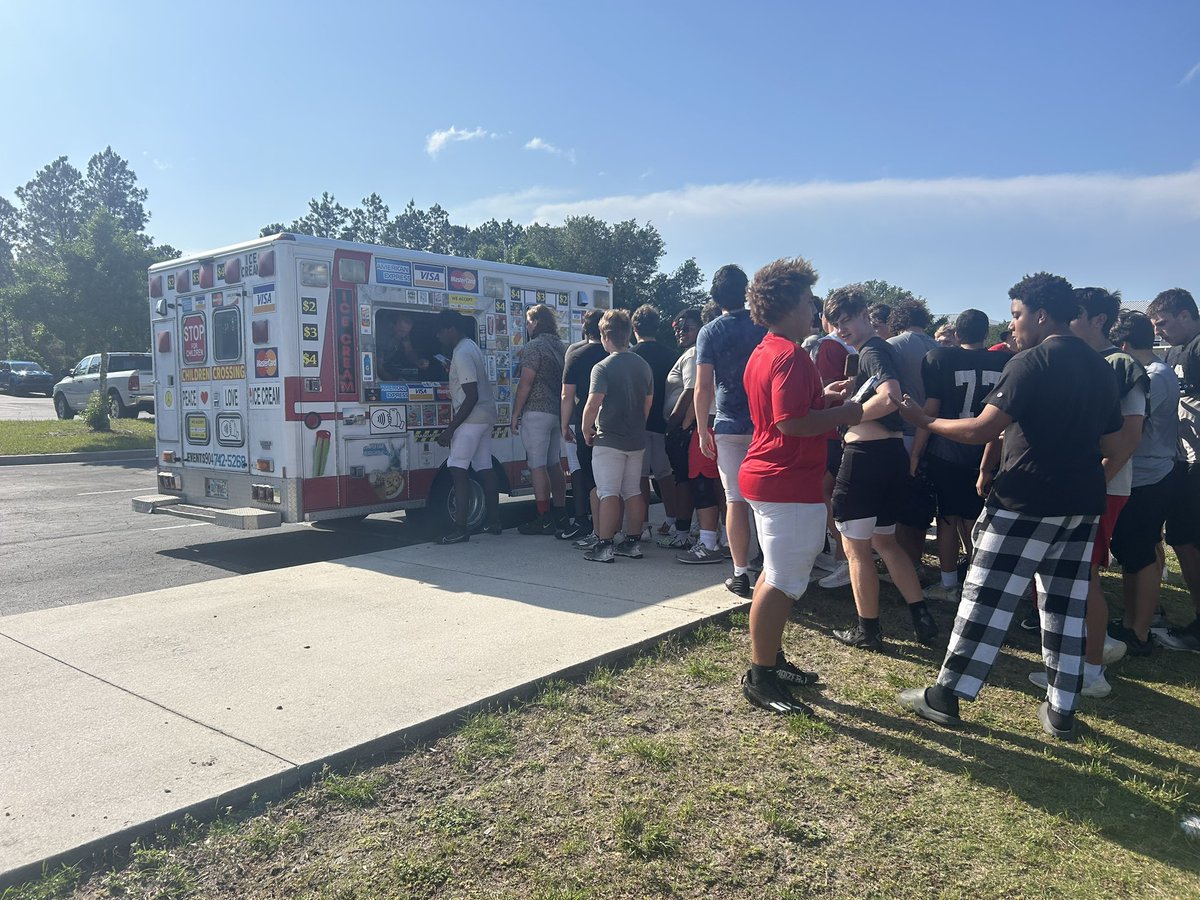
x: 417, y: 255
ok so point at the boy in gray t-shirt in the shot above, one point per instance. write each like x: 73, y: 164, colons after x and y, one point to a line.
x: 614, y: 423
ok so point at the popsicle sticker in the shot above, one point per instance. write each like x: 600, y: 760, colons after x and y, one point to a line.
x: 320, y: 453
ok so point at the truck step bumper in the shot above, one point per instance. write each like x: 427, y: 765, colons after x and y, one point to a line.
x: 245, y: 518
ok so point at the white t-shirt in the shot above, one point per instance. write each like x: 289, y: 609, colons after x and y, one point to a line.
x: 687, y: 373
x: 468, y: 366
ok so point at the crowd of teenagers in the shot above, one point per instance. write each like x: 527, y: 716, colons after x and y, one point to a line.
x: 831, y: 434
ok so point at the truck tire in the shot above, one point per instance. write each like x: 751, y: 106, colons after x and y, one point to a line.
x: 116, y: 406
x: 62, y: 408
x: 438, y: 515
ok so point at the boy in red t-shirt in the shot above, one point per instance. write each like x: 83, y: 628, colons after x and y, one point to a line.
x: 781, y: 474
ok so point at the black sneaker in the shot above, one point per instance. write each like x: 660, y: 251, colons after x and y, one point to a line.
x: 1030, y: 622
x: 1137, y: 647
x: 1182, y: 637
x: 456, y: 537
x: 856, y: 636
x: 740, y: 585
x: 788, y: 673
x: 770, y: 694
x: 925, y: 627
x: 540, y: 525
x: 601, y: 552
x: 493, y: 528
x: 630, y: 547
x: 575, y: 530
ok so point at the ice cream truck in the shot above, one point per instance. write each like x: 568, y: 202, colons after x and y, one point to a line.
x: 300, y: 379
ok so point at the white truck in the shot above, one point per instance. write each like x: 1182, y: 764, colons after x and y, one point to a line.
x: 297, y: 378
x: 128, y: 385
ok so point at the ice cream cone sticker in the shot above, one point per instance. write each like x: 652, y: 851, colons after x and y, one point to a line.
x: 320, y: 453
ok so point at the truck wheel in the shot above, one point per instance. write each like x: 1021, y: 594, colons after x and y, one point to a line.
x: 116, y: 408
x: 62, y: 408
x: 439, y: 513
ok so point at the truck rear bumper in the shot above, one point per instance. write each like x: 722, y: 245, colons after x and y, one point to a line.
x: 245, y: 518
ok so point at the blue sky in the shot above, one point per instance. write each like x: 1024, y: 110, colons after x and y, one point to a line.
x: 946, y: 147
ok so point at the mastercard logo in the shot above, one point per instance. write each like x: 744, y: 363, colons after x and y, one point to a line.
x: 266, y: 363
x: 463, y: 279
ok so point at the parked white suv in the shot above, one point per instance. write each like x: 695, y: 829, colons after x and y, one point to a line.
x: 130, y: 387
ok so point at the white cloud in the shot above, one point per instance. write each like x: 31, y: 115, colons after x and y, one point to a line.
x: 1192, y: 73
x: 439, y: 139
x: 959, y: 241
x: 536, y: 143
x: 161, y: 165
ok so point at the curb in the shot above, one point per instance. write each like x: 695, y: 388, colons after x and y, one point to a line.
x: 100, y: 456
x: 95, y: 853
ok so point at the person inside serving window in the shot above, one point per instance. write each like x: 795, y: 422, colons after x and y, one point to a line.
x: 400, y: 360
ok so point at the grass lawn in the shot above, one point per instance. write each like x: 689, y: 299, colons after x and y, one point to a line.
x: 73, y: 436
x: 658, y: 779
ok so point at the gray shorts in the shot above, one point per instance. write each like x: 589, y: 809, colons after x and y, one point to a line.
x: 655, y: 461
x: 542, y: 439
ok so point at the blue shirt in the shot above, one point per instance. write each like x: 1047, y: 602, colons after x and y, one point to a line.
x: 726, y: 344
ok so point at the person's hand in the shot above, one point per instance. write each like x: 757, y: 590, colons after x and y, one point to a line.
x: 838, y: 391
x: 589, y: 435
x: 422, y: 363
x: 983, y: 484
x: 913, y: 414
x: 708, y: 444
x: 516, y: 425
x: 568, y: 434
x: 914, y: 463
x: 444, y: 438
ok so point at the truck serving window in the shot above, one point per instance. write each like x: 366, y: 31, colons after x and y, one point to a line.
x: 406, y: 346
x: 227, y: 334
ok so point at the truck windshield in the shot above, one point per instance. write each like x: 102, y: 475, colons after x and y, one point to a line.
x: 407, y: 347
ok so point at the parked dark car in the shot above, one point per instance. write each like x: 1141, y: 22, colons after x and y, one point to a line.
x: 25, y: 377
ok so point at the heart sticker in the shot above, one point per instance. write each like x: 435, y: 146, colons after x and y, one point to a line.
x: 204, y: 397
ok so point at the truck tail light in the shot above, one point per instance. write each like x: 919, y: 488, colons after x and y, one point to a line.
x: 135, y: 383
x: 168, y: 456
x: 265, y: 465
x: 264, y: 493
x: 169, y: 481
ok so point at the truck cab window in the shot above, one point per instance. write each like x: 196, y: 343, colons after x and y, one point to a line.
x: 406, y: 346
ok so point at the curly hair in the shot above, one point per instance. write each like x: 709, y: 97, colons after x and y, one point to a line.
x: 729, y: 287
x: 1133, y: 327
x: 910, y: 313
x: 615, y: 326
x: 881, y: 314
x: 1053, y: 293
x: 1173, y: 301
x: 850, y: 300
x: 778, y: 287
x: 646, y: 320
x: 543, y: 319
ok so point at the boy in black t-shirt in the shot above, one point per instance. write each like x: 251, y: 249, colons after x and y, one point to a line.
x: 872, y: 484
x: 1056, y: 403
x: 956, y: 379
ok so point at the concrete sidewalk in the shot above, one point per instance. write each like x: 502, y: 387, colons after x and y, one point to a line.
x: 122, y: 715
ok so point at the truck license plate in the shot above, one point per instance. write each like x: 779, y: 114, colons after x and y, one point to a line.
x: 217, y: 488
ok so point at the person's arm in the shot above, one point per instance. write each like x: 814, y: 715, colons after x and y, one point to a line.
x: 471, y: 392
x: 988, y: 466
x: 649, y: 403
x: 1122, y: 445
x: 566, y: 406
x: 591, y: 409
x: 683, y: 414
x: 921, y: 439
x: 524, y: 386
x: 706, y: 391
x: 882, y: 401
x: 819, y: 421
x: 985, y: 427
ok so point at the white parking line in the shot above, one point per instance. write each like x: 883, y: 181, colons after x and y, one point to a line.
x: 189, y: 525
x: 118, y: 491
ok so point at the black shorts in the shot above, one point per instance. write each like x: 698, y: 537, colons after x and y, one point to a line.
x: 872, y: 482
x: 584, y: 450
x: 1183, y: 518
x: 1139, y: 528
x: 954, y: 488
x: 833, y: 456
x: 677, y: 441
x: 919, y: 506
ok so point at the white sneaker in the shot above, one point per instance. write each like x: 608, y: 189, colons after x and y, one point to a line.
x: 839, y: 577
x: 942, y: 593
x: 1098, y: 687
x: 1113, y: 650
x: 826, y: 562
